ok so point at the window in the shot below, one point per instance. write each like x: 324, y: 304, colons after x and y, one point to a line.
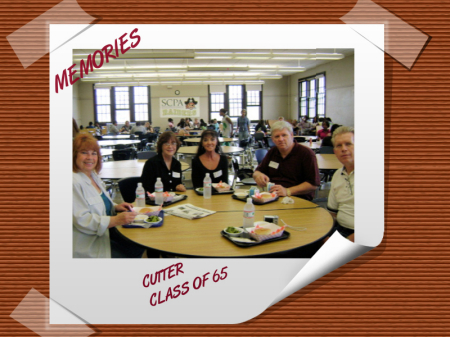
x: 234, y: 100
x: 312, y: 92
x: 122, y: 104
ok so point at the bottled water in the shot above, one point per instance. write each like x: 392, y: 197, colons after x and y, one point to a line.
x: 207, y: 187
x: 159, y: 190
x: 249, y: 213
x: 140, y: 196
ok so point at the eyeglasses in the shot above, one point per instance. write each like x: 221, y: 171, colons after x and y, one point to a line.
x: 349, y: 185
x: 170, y: 144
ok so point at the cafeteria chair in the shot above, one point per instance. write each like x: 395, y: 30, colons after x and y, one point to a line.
x: 146, y: 154
x: 124, y: 154
x: 271, y: 143
x: 260, y: 154
x: 127, y: 187
x: 244, y: 175
x: 259, y: 140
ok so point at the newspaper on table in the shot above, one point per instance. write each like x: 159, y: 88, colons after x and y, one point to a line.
x: 188, y: 211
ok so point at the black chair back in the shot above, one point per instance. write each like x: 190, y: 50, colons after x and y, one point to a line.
x: 127, y: 187
x: 124, y: 154
x: 139, y: 134
x: 156, y: 129
x: 146, y: 154
x: 326, y: 150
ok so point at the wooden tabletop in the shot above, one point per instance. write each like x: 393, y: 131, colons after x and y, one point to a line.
x: 202, y: 238
x: 225, y: 149
x: 328, y: 162
x: 221, y: 140
x: 117, y: 142
x: 126, y: 168
x: 312, y: 146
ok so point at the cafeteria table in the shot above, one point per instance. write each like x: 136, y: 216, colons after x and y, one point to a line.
x: 115, y: 137
x: 117, y: 142
x: 192, y: 150
x: 126, y: 168
x: 328, y: 162
x: 202, y: 237
x: 221, y: 140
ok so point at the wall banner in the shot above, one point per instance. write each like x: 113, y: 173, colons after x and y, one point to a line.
x: 179, y: 107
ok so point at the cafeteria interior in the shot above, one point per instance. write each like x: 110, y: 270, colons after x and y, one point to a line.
x: 287, y: 85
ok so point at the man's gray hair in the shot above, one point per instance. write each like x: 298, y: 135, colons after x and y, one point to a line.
x: 341, y: 130
x: 280, y: 125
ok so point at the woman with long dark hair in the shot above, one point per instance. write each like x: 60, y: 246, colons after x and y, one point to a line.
x: 209, y: 159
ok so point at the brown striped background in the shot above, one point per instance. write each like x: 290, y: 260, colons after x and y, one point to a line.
x: 401, y: 288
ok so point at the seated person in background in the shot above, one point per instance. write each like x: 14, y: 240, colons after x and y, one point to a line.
x: 138, y: 128
x: 306, y: 126
x: 113, y: 128
x: 148, y: 127
x: 81, y: 127
x: 295, y: 127
x: 126, y: 127
x: 182, y: 124
x: 93, y: 210
x: 90, y: 126
x: 261, y: 127
x: 281, y: 119
x: 325, y: 132
x: 196, y: 124
x: 291, y: 166
x: 209, y: 159
x: 327, y: 140
x: 341, y: 200
x: 203, y: 125
x: 216, y: 125
x: 164, y: 165
x: 171, y: 125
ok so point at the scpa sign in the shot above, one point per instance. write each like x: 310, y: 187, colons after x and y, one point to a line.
x: 179, y: 107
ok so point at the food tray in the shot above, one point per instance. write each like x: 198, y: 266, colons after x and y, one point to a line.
x: 255, y: 203
x: 161, y: 215
x: 284, y: 236
x: 167, y: 203
x: 214, y: 192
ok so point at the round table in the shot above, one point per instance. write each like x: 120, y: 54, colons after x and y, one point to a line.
x: 118, y: 142
x: 221, y: 140
x: 202, y: 238
x: 126, y: 168
x: 192, y: 150
x: 115, y: 137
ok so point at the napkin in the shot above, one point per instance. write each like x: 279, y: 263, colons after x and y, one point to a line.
x: 287, y: 200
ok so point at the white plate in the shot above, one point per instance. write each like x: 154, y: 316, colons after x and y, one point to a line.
x: 234, y: 234
x: 153, y: 223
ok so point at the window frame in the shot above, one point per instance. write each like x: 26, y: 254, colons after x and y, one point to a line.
x: 308, y: 80
x: 131, y: 103
x: 244, y: 101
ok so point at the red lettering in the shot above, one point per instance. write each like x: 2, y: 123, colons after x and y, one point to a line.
x: 137, y: 37
x: 179, y: 266
x: 159, y: 298
x: 122, y: 43
x: 185, y: 287
x: 95, y: 59
x: 61, y: 83
x: 176, y: 291
x: 199, y: 282
x: 146, y: 284
x: 171, y: 270
x: 205, y: 278
x: 151, y: 297
x: 169, y: 294
x: 108, y: 52
x: 86, y: 68
x: 71, y: 73
x: 117, y: 48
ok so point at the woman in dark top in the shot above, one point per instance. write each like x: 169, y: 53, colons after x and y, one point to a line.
x: 261, y: 126
x: 164, y: 165
x: 209, y: 159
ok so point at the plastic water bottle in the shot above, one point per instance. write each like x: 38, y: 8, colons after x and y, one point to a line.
x: 249, y: 213
x: 140, y: 196
x: 159, y: 190
x: 207, y: 187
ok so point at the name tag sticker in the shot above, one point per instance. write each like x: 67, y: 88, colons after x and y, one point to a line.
x: 176, y: 174
x: 217, y: 174
x: 273, y: 165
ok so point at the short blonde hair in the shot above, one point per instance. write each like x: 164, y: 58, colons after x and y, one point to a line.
x: 340, y: 131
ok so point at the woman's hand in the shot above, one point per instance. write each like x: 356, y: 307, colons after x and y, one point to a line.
x: 181, y: 188
x: 123, y: 218
x: 124, y: 207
